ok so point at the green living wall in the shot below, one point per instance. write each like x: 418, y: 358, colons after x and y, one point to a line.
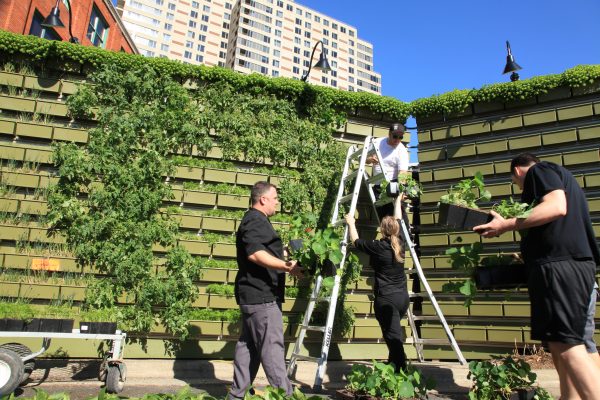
x: 124, y: 179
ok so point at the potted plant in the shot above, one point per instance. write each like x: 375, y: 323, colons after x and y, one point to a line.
x: 406, y: 184
x: 490, y: 272
x: 99, y: 321
x: 380, y: 381
x: 459, y: 209
x: 504, y: 378
x: 14, y: 315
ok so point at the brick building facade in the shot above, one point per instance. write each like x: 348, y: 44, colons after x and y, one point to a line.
x: 95, y: 22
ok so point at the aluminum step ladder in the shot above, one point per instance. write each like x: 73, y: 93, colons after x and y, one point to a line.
x: 354, y: 175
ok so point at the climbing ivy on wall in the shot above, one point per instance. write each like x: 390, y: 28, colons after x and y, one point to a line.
x: 142, y: 118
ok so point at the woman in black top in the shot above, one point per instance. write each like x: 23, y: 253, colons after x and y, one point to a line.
x: 391, y: 293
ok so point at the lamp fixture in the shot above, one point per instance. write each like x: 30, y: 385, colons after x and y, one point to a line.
x: 322, y: 64
x: 511, y: 65
x: 53, y: 20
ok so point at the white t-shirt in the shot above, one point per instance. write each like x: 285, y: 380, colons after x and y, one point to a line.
x: 394, y: 158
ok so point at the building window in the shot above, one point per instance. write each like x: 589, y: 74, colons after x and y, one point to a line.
x: 334, y: 36
x: 189, y: 44
x: 307, y: 34
x: 166, y: 37
x: 298, y: 11
x: 325, y: 32
x: 277, y: 43
x: 224, y: 35
x: 298, y: 21
x: 297, y: 50
x: 278, y: 23
x: 168, y: 27
x: 170, y: 16
x: 223, y: 45
x: 324, y: 79
x: 275, y: 73
x: 351, y: 33
x: 289, y: 7
x: 279, y: 3
x: 199, y: 58
x: 187, y: 54
x: 193, y: 14
x: 164, y: 47
x: 276, y: 53
x: 222, y: 54
x: 342, y: 29
x: 97, y: 29
x: 334, y: 25
x: 200, y: 47
x: 195, y: 4
x: 202, y: 38
x: 204, y: 28
x: 296, y: 60
x: 275, y: 63
x: 317, y: 18
x: 206, y: 9
x: 171, y: 6
x: 205, y: 18
x: 326, y: 22
x: 297, y: 31
x: 191, y: 34
x: 333, y: 83
x: 38, y: 30
x: 228, y: 6
x: 295, y: 70
x: 279, y: 14
x: 192, y: 24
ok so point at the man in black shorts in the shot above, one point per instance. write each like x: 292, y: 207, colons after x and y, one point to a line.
x: 558, y: 242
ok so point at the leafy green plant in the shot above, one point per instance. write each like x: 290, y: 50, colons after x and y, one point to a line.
x: 380, y: 380
x: 142, y: 119
x: 223, y: 289
x: 467, y: 192
x: 497, y: 379
x: 16, y: 309
x: 512, y: 209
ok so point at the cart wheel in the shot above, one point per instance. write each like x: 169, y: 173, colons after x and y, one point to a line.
x: 115, y: 378
x: 23, y: 351
x: 11, y: 371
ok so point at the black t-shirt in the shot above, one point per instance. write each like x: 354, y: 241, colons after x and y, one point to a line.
x: 568, y: 237
x: 389, y: 273
x: 255, y: 284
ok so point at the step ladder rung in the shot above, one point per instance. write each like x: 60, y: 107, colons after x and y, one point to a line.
x: 417, y: 294
x: 346, y: 198
x: 426, y: 318
x: 351, y: 176
x: 429, y: 341
x: 313, y: 328
x: 326, y: 299
x: 356, y: 154
x: 375, y: 179
x: 306, y: 358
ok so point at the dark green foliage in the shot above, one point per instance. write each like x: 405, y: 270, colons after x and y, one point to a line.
x: 142, y: 118
x: 380, y: 381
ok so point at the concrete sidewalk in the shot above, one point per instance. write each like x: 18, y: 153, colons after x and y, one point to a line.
x: 214, y: 376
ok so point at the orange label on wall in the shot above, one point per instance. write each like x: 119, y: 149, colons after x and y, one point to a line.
x: 45, y: 264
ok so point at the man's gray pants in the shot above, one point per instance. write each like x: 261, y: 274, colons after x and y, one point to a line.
x: 261, y: 341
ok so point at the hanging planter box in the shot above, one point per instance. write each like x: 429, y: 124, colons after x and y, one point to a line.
x: 224, y: 250
x: 219, y: 301
x: 462, y: 218
x: 17, y: 104
x: 34, y: 130
x: 205, y: 328
x: 233, y: 201
x: 250, y: 178
x: 11, y: 79
x: 12, y: 325
x: 219, y: 175
x: 196, y: 197
x: 189, y: 221
x: 187, y: 172
x: 501, y: 276
x: 218, y: 224
x: 49, y: 325
x: 98, y: 327
x: 196, y: 247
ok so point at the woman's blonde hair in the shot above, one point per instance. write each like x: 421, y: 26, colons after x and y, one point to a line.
x: 390, y: 229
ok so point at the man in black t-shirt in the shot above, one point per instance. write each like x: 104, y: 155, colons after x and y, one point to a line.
x: 259, y: 291
x: 558, y: 243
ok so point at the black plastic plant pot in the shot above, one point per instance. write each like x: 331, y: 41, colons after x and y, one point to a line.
x: 50, y: 325
x: 98, y: 327
x: 475, y: 218
x: 12, y: 325
x: 462, y: 218
x: 296, y: 244
x: 33, y: 325
x: 501, y: 276
x: 523, y: 394
x: 452, y: 216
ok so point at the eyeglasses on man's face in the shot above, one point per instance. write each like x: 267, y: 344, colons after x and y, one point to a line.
x: 397, y: 135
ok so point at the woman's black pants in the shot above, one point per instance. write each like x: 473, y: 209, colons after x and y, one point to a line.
x: 390, y: 308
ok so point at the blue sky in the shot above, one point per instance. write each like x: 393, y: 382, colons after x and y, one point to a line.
x: 426, y: 47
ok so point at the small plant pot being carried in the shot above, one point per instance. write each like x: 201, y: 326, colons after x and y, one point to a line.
x: 462, y: 218
x: 98, y: 327
x: 501, y: 276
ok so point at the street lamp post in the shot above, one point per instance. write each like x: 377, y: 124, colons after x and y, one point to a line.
x: 322, y: 64
x: 511, y: 65
x: 53, y: 20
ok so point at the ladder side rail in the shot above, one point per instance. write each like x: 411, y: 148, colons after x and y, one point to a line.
x: 434, y: 302
x: 305, y: 322
x: 357, y: 184
x: 328, y: 331
x: 340, y: 194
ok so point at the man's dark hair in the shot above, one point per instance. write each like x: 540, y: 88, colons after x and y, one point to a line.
x: 523, y: 160
x: 259, y: 189
x: 397, y: 127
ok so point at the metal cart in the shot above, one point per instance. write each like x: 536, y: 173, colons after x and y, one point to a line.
x: 17, y: 361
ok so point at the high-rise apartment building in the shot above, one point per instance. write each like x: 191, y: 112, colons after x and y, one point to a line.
x: 270, y: 37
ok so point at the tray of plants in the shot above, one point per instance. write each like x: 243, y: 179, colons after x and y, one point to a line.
x: 17, y: 360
